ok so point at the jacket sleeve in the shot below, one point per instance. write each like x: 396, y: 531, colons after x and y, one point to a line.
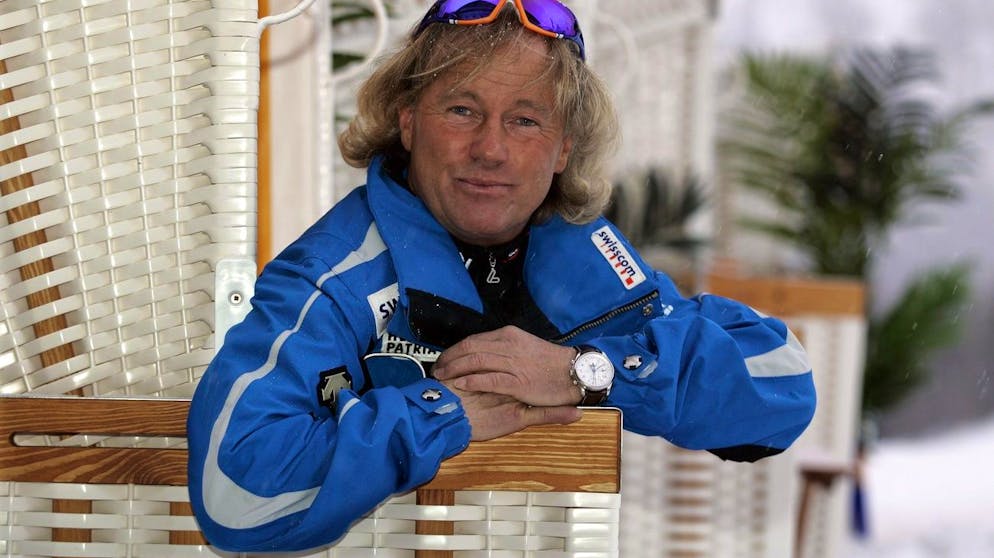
x: 271, y: 468
x: 711, y: 373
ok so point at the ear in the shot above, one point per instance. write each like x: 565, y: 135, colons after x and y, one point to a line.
x: 405, y: 120
x: 564, y: 154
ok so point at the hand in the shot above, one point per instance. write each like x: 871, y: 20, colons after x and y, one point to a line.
x: 492, y: 415
x: 510, y: 361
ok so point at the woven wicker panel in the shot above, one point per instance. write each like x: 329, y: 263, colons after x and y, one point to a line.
x: 690, y: 504
x: 835, y: 346
x: 128, y: 172
x: 130, y: 520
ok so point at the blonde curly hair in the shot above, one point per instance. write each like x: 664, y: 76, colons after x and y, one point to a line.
x: 580, y: 193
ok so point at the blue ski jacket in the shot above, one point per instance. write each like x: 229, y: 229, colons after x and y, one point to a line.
x: 293, y: 437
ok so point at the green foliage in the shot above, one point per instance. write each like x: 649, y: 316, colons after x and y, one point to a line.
x: 846, y: 146
x: 924, y: 319
x: 345, y: 12
x: 341, y: 59
x: 662, y: 216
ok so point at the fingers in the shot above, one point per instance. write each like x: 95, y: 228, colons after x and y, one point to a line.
x: 462, y: 361
x: 565, y: 414
x: 492, y: 382
x: 510, y: 361
x: 491, y: 350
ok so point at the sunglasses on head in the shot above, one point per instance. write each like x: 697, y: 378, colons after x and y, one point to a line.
x: 545, y: 17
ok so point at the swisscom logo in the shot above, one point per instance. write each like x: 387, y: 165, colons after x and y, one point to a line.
x: 619, y: 258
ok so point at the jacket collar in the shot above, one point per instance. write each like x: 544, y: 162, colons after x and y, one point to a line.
x: 423, y: 253
x: 566, y: 270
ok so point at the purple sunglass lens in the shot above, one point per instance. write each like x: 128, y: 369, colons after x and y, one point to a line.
x: 551, y: 16
x: 465, y: 9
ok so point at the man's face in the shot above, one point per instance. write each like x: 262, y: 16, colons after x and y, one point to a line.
x: 484, y: 151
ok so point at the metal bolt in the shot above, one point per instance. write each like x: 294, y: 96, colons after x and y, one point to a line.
x: 235, y: 298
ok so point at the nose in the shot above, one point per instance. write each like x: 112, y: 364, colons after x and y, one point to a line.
x: 489, y: 145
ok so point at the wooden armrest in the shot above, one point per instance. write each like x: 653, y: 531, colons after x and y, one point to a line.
x: 68, y: 416
x: 795, y: 296
x: 581, y: 457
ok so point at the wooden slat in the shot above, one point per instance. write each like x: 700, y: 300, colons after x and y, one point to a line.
x: 581, y: 457
x: 69, y: 534
x: 91, y: 415
x: 112, y: 417
x: 789, y: 296
x: 432, y: 497
x: 264, y: 214
x: 184, y: 537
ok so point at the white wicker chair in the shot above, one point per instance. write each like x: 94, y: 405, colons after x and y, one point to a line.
x: 129, y: 175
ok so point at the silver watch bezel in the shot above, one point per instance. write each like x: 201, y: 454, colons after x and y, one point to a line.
x: 590, y: 394
x: 584, y: 382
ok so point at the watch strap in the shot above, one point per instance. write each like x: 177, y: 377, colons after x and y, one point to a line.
x: 591, y: 398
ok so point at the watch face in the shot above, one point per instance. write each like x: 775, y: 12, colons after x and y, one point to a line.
x: 594, y: 370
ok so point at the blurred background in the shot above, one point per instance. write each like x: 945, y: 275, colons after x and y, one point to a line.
x: 926, y: 494
x: 931, y: 233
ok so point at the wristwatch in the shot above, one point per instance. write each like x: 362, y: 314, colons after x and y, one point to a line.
x: 593, y: 373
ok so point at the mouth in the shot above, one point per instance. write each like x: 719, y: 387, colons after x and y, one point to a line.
x: 482, y: 183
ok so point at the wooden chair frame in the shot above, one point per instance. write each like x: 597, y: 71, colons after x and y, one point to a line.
x: 581, y: 457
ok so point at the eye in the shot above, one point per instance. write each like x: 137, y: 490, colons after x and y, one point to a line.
x: 461, y: 110
x: 525, y: 121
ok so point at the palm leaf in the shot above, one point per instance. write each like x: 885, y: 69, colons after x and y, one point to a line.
x: 846, y: 146
x: 843, y: 142
x: 925, y: 318
x: 663, y: 213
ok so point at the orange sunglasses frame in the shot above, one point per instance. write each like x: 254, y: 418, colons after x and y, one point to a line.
x: 521, y: 16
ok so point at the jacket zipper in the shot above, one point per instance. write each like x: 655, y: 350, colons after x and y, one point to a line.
x: 596, y: 322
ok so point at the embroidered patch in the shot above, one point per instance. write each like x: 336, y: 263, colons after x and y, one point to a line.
x: 615, y: 253
x: 394, y: 344
x: 383, y: 303
x: 331, y: 382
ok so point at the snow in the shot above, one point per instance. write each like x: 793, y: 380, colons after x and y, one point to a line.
x: 931, y: 497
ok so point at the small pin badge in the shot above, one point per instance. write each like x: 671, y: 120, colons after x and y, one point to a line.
x: 632, y: 362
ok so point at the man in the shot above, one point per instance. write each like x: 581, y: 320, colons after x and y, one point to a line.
x: 476, y: 244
